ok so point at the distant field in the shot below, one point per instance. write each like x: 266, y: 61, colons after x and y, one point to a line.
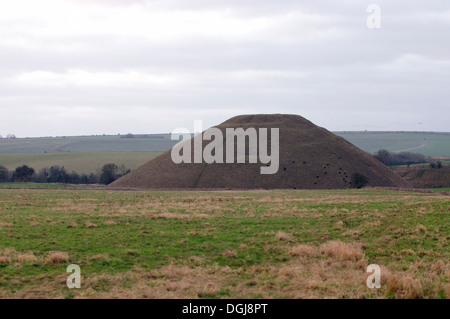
x: 87, y: 144
x: 225, y: 244
x: 78, y: 162
x: 429, y: 144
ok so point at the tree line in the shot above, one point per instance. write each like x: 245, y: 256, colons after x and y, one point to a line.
x: 404, y: 158
x: 58, y: 174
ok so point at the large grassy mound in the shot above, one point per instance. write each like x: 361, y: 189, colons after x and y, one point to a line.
x: 310, y: 158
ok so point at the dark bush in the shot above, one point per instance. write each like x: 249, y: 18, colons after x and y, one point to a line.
x: 359, y: 180
x: 23, y: 174
x: 4, y: 174
x: 109, y: 173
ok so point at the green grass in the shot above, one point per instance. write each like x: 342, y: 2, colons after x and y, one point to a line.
x: 437, y: 144
x: 79, y: 162
x: 441, y: 189
x: 179, y: 243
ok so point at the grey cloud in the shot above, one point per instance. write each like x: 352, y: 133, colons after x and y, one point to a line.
x: 332, y: 69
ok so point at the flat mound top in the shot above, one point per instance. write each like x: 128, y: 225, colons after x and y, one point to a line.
x: 310, y: 157
x: 268, y: 120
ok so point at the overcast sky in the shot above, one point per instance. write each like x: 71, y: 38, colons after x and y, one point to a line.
x: 78, y: 67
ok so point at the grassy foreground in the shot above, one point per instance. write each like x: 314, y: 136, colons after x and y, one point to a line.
x: 227, y: 244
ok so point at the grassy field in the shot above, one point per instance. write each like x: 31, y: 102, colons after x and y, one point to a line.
x: 79, y: 162
x: 225, y: 244
x: 428, y: 144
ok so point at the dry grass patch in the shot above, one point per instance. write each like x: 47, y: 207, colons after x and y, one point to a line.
x: 230, y: 253
x: 362, y: 264
x: 110, y: 222
x: 423, y: 252
x: 4, y: 224
x: 374, y: 224
x: 438, y: 267
x: 404, y: 287
x: 169, y: 282
x: 10, y: 255
x: 57, y: 257
x: 90, y: 225
x: 26, y: 257
x: 72, y: 225
x: 421, y: 229
x: 408, y: 252
x: 196, y: 260
x: 283, y: 236
x: 302, y: 250
x: 8, y: 252
x: 340, y: 224
x: 447, y: 287
x: 342, y: 251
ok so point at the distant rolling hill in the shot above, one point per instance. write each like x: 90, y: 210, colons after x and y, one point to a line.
x: 88, y: 144
x: 85, y: 154
x: 426, y: 143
